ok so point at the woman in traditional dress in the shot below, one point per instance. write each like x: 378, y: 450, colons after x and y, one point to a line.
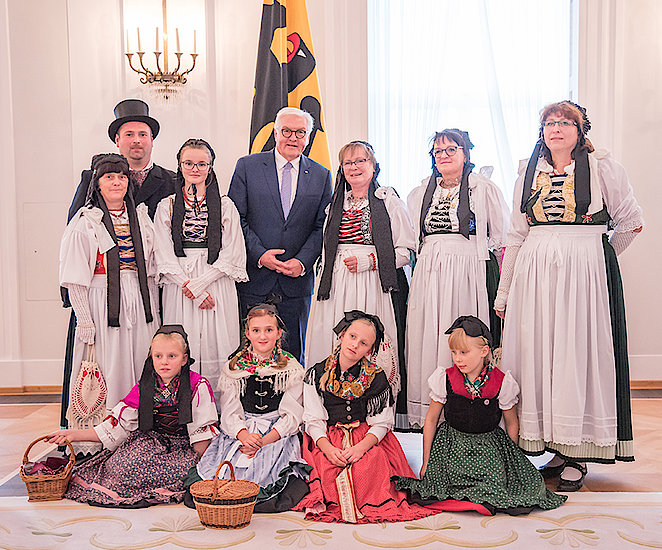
x: 460, y: 217
x: 367, y: 238
x: 107, y: 265
x: 200, y: 254
x: 261, y: 410
x: 564, y: 336
x: 153, y: 435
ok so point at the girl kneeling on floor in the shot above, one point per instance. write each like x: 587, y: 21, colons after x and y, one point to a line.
x: 348, y: 414
x: 468, y: 457
x: 152, y: 437
x: 261, y: 408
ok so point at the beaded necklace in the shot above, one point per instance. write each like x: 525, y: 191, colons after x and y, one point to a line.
x: 357, y: 203
x: 118, y: 213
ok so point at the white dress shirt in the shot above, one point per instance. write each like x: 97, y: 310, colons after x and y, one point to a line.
x: 281, y: 161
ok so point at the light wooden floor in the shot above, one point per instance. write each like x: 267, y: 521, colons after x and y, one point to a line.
x: 22, y: 423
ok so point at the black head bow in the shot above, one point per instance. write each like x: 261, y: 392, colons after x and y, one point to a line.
x: 473, y: 327
x: 355, y: 315
x: 586, y: 123
x: 148, y: 381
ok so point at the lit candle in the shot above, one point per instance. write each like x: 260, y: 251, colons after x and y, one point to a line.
x: 139, y: 46
x: 177, y: 39
x: 157, y: 40
x: 195, y: 47
x: 128, y: 48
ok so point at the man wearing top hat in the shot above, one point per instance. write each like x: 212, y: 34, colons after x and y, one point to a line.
x: 134, y: 131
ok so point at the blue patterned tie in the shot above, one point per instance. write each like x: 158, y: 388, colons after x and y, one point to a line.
x: 286, y: 189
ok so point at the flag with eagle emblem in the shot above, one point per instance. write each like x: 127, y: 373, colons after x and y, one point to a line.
x: 286, y: 76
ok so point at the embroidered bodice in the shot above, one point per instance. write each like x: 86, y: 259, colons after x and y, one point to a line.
x: 124, y: 240
x: 442, y: 217
x: 355, y: 225
x: 194, y: 227
x: 553, y: 202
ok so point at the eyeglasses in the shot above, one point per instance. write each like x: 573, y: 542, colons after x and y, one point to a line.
x: 286, y: 133
x: 450, y: 151
x: 202, y: 166
x: 358, y: 163
x: 561, y: 123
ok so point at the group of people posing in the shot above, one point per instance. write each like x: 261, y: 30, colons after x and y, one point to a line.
x: 370, y: 344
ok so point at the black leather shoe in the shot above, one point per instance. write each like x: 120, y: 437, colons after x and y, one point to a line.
x: 567, y: 486
x: 549, y: 472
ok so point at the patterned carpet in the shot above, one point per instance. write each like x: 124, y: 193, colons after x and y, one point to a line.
x: 588, y: 520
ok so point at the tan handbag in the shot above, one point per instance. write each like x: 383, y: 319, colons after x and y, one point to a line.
x: 87, y: 404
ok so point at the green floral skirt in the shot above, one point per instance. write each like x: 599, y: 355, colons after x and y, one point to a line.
x: 485, y: 468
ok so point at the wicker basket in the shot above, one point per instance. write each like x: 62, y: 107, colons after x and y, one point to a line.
x: 47, y: 486
x: 225, y: 503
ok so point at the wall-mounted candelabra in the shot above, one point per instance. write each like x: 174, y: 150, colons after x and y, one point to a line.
x: 162, y: 78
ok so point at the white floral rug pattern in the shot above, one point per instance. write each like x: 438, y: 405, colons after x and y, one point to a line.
x: 611, y: 521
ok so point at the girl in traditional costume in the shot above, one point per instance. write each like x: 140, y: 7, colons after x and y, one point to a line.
x: 200, y: 254
x: 152, y: 437
x: 468, y: 457
x: 348, y: 414
x: 261, y: 405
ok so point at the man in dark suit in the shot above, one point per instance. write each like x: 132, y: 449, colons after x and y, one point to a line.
x: 281, y: 196
x: 134, y: 131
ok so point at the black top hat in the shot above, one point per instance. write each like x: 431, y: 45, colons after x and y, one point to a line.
x: 131, y: 110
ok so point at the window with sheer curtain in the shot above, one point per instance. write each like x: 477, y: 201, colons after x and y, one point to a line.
x: 487, y: 67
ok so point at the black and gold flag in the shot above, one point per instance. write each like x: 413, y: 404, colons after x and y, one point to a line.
x: 286, y: 76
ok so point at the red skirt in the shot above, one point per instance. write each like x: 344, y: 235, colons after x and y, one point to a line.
x: 374, y: 494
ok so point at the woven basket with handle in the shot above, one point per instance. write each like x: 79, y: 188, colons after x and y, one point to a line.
x: 225, y: 503
x: 47, y: 486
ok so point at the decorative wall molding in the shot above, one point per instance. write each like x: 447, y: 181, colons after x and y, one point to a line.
x: 9, y: 295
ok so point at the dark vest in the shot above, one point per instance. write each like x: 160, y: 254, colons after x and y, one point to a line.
x: 477, y: 415
x: 345, y: 411
x: 260, y: 397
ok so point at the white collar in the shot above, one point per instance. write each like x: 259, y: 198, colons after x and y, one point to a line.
x: 281, y: 161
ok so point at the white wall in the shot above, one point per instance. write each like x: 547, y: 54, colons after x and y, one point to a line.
x: 620, y: 78
x: 63, y: 72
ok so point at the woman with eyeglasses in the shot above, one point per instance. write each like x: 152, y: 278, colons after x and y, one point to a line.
x: 367, y: 238
x: 460, y: 218
x: 200, y: 255
x: 561, y: 294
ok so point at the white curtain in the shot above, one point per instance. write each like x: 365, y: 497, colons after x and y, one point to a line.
x: 487, y: 67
